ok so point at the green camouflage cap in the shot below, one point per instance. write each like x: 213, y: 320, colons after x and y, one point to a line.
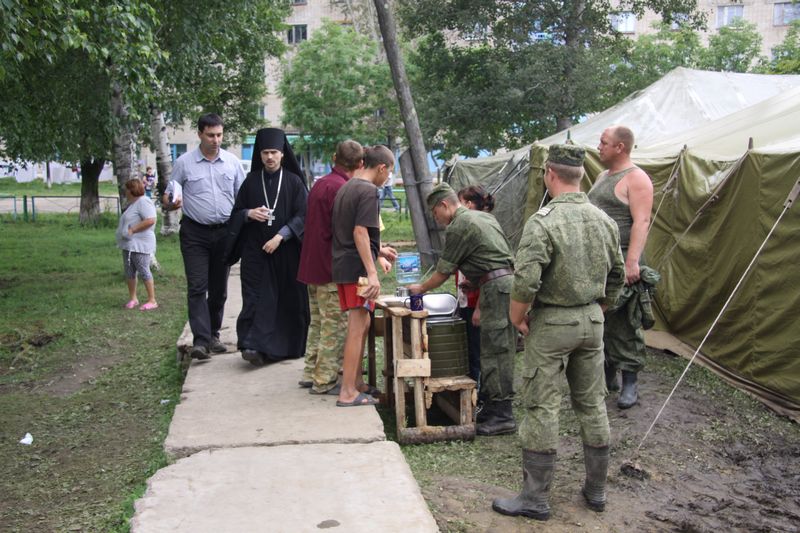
x: 566, y: 154
x: 439, y: 193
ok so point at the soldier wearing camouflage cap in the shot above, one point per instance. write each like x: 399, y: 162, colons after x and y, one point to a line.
x: 476, y: 245
x: 569, y: 268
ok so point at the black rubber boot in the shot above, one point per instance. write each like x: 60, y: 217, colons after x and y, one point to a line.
x: 630, y: 390
x: 485, y: 412
x: 500, y: 420
x: 612, y: 383
x: 532, y: 502
x: 594, y: 489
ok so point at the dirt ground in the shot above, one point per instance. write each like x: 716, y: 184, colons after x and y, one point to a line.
x: 716, y: 460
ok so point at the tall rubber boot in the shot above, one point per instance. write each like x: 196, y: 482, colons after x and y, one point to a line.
x: 630, y: 390
x: 594, y: 489
x: 500, y: 420
x: 532, y: 502
x: 612, y: 383
x: 485, y: 413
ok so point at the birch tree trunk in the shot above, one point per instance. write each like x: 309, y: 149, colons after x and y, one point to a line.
x: 158, y: 132
x: 123, y: 145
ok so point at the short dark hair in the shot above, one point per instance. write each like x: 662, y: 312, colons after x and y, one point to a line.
x: 135, y: 187
x: 349, y: 154
x: 477, y: 195
x: 566, y: 173
x: 623, y: 135
x: 209, y: 120
x: 378, y: 155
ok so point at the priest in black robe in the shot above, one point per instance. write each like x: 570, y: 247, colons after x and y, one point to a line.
x: 269, y: 215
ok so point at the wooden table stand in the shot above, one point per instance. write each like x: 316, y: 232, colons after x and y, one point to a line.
x: 407, y: 365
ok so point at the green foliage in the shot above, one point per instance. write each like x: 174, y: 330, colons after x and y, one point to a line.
x: 734, y: 48
x: 493, y: 74
x: 786, y: 56
x: 102, y: 45
x: 33, y: 29
x: 335, y: 87
x: 216, y: 59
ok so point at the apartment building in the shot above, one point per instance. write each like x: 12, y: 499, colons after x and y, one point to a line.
x: 771, y: 17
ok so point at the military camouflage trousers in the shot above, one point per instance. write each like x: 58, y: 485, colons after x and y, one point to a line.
x: 624, y: 344
x: 568, y: 340
x: 498, y: 340
x: 325, y: 337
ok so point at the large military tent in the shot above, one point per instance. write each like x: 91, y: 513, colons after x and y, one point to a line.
x: 720, y: 186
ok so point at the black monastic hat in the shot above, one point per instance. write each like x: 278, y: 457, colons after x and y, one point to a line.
x: 274, y: 139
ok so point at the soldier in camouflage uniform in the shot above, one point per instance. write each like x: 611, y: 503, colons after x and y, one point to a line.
x: 569, y: 268
x: 476, y: 245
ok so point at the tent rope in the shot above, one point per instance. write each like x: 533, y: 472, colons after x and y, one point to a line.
x: 787, y: 204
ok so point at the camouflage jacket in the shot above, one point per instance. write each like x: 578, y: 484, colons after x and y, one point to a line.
x: 569, y: 255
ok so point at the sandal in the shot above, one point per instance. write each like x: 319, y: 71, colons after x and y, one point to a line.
x: 361, y: 399
x: 148, y: 307
x: 131, y: 304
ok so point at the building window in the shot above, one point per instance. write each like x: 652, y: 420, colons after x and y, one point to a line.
x: 299, y: 2
x: 177, y: 150
x: 262, y: 112
x: 727, y: 14
x: 297, y: 34
x: 785, y: 12
x: 624, y: 22
x: 678, y: 21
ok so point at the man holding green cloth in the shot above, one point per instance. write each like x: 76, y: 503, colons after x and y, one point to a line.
x: 476, y: 245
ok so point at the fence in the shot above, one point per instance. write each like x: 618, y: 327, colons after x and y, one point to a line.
x: 51, y: 204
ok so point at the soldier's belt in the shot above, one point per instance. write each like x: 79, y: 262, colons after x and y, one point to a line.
x: 494, y: 274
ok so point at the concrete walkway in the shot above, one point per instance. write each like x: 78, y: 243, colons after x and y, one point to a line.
x: 254, y: 452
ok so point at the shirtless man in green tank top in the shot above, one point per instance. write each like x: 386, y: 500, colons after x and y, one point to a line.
x: 625, y: 193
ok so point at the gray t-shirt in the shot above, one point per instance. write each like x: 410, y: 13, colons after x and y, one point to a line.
x: 356, y: 205
x: 143, y: 241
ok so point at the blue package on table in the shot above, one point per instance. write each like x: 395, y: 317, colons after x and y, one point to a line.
x: 408, y: 268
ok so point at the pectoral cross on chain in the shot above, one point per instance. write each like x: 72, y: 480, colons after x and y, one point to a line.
x: 270, y: 216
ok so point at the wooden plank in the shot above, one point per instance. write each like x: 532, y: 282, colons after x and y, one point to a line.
x: 399, y: 383
x: 388, y: 363
x: 371, y: 351
x: 466, y: 406
x: 419, y: 387
x: 451, y: 383
x: 412, y: 368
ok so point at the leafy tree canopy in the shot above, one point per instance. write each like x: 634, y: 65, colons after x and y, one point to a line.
x: 336, y: 87
x: 785, y: 56
x: 517, y: 71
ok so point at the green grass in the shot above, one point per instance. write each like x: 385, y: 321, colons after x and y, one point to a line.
x: 37, y: 187
x: 97, y: 436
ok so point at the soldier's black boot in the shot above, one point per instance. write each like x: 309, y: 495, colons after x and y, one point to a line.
x: 630, y: 390
x: 500, y: 420
x: 612, y: 383
x: 594, y: 489
x: 537, y: 473
x: 485, y: 412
